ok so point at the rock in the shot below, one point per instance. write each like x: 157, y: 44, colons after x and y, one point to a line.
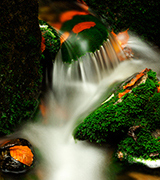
x: 20, y: 69
x: 130, y: 121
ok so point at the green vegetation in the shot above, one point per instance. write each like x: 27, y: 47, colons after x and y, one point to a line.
x: 52, y: 41
x: 20, y: 69
x: 21, y: 81
x: 19, y: 101
x: 146, y: 146
x: 114, y: 121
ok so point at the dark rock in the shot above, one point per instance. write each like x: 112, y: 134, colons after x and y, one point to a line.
x: 20, y: 73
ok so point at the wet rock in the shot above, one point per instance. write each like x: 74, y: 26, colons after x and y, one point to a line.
x: 16, y: 156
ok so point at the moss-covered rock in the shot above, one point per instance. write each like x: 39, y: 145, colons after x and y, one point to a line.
x: 20, y: 69
x: 129, y: 118
x: 79, y: 30
x: 50, y: 45
x: 145, y: 146
x: 51, y: 40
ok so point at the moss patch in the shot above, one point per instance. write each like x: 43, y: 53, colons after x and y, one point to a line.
x: 20, y: 69
x: 114, y: 119
x: 52, y: 40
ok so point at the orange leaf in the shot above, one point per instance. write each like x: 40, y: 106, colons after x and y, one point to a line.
x: 134, y: 80
x: 158, y: 88
x: 43, y: 46
x: 22, y: 154
x: 57, y: 26
x: 68, y: 15
x: 42, y: 109
x: 113, y: 34
x: 123, y: 37
x: 82, y: 26
x: 123, y: 93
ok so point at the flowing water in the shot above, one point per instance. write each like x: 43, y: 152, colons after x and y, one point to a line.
x: 77, y: 89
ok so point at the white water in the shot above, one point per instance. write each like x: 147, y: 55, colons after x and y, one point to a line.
x: 78, y: 89
x: 149, y: 56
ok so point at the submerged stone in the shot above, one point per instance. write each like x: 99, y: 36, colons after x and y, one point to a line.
x: 16, y: 156
x: 79, y: 30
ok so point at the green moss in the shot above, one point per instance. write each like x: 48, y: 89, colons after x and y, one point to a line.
x: 142, y: 147
x: 113, y: 119
x: 52, y: 40
x: 20, y: 68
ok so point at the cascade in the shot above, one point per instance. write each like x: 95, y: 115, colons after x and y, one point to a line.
x: 84, y: 73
